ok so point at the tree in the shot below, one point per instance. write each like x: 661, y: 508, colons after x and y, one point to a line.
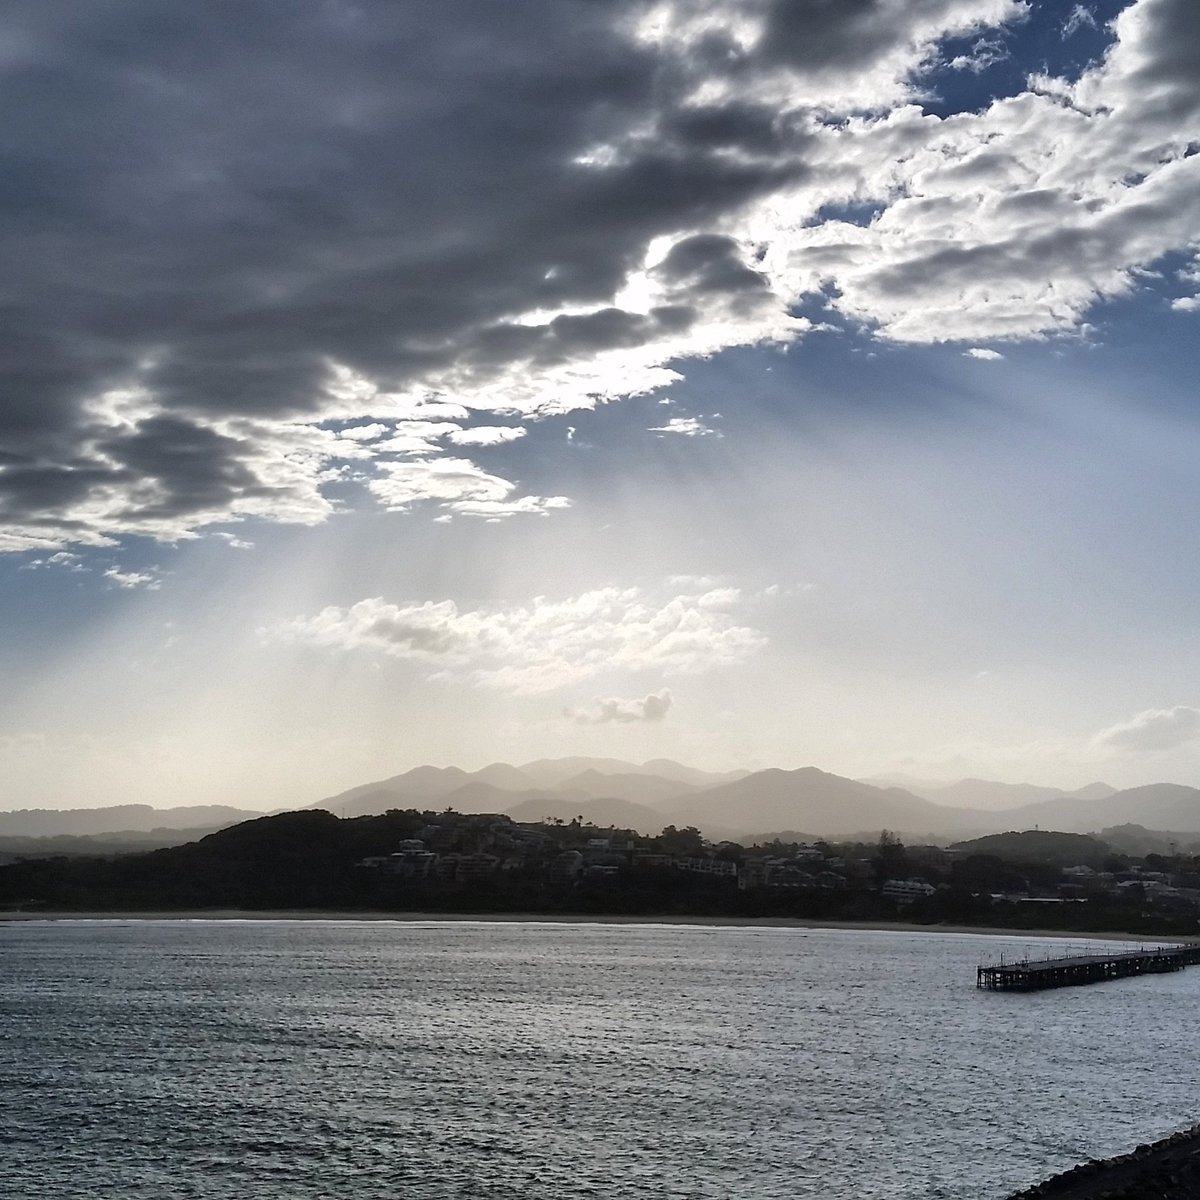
x: 891, y: 859
x: 687, y: 840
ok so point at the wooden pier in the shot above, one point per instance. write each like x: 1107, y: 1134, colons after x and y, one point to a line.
x: 1034, y: 975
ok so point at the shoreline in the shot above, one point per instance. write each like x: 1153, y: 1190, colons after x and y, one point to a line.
x: 1167, y: 1169
x: 234, y: 914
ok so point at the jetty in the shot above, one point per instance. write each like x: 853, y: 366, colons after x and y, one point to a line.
x: 1073, y: 970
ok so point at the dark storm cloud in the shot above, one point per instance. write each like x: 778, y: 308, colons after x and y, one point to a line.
x: 207, y: 207
x: 709, y: 262
x: 845, y: 34
x: 195, y: 468
x: 736, y: 125
x: 566, y: 337
x: 215, y: 201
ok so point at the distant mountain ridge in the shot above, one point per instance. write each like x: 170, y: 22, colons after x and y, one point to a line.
x: 501, y: 787
x: 736, y: 804
x: 118, y: 818
x: 988, y: 794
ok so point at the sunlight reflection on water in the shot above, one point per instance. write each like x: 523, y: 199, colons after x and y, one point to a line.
x: 494, y: 1060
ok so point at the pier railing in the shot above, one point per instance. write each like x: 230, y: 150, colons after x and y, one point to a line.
x: 1034, y: 975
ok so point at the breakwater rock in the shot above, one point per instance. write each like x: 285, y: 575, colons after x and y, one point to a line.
x: 1164, y: 1170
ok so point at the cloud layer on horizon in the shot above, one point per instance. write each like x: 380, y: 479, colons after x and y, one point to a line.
x: 1152, y: 730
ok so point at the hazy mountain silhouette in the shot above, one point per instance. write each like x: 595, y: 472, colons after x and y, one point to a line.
x: 814, y: 800
x: 500, y: 786
x: 422, y: 787
x: 641, y: 789
x: 987, y: 794
x: 552, y: 772
x: 603, y: 812
x: 1154, y: 805
x: 667, y: 768
x: 505, y: 775
x: 662, y: 792
x: 118, y: 818
x: 123, y: 841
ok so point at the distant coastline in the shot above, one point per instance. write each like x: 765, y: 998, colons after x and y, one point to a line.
x: 533, y: 918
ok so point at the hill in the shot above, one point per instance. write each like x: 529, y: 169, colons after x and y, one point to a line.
x: 125, y: 841
x: 117, y: 819
x: 826, y: 805
x: 603, y: 812
x: 501, y: 787
x: 1039, y: 846
x: 988, y: 794
x: 1155, y: 806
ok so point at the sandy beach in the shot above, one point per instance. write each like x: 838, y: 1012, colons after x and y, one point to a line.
x: 233, y: 914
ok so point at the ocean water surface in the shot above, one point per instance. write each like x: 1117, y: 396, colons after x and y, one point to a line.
x: 296, y: 1060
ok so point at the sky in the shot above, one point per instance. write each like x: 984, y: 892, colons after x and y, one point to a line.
x: 755, y: 383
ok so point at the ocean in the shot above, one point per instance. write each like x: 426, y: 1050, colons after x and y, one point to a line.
x: 296, y: 1060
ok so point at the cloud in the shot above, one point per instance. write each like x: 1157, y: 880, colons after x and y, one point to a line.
x: 486, y: 435
x: 63, y: 560
x: 985, y: 53
x: 651, y: 708
x: 546, y: 644
x: 233, y: 541
x: 686, y: 427
x: 983, y: 354
x: 1078, y: 17
x: 1153, y: 729
x: 1186, y: 303
x: 254, y: 258
x: 129, y: 580
x: 459, y: 484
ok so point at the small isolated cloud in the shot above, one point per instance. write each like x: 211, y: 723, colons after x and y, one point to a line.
x: 1078, y: 17
x: 686, y: 427
x: 984, y: 54
x: 63, y: 561
x: 1186, y: 304
x: 487, y: 435
x: 545, y: 644
x: 459, y: 484
x: 983, y: 354
x: 128, y: 580
x: 233, y: 541
x: 653, y: 707
x: 1153, y: 729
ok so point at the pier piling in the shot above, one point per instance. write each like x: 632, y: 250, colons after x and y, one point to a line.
x: 1074, y: 970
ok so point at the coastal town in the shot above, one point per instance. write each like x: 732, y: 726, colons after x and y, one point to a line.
x: 409, y: 860
x: 1032, y: 870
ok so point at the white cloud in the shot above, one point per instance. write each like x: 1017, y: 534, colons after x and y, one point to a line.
x: 651, y: 708
x: 1012, y: 221
x: 365, y: 433
x: 983, y: 354
x: 1078, y: 17
x: 546, y: 644
x: 233, y: 541
x: 128, y: 580
x: 1186, y: 303
x: 63, y: 560
x: 686, y: 427
x: 457, y: 483
x: 986, y: 52
x: 487, y: 435
x: 1153, y: 729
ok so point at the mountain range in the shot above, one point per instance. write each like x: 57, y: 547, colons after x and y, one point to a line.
x: 736, y: 805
